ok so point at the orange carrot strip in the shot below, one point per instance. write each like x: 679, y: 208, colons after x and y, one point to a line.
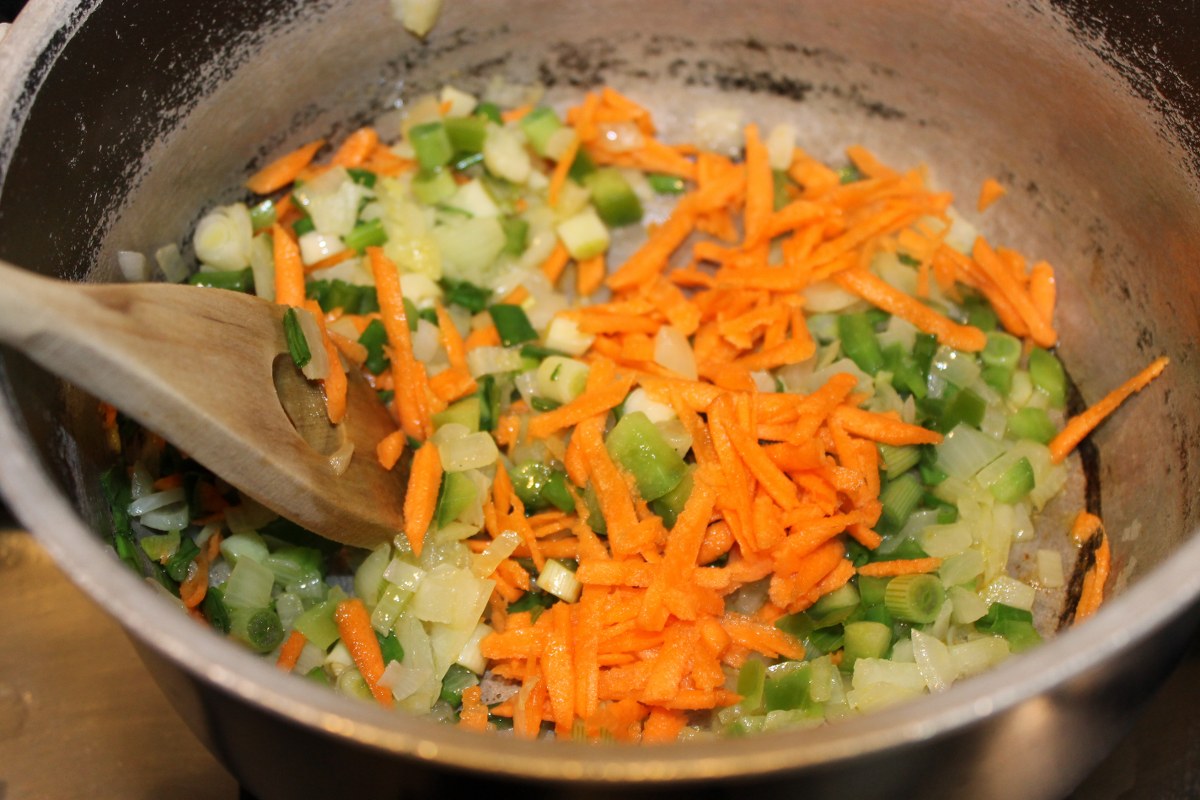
x: 557, y: 666
x: 904, y: 566
x: 1085, y: 422
x: 663, y: 725
x: 289, y: 269
x: 194, y: 588
x: 588, y: 404
x: 354, y: 626
x: 515, y: 114
x: 765, y: 639
x: 989, y: 192
x: 883, y: 428
x: 356, y: 149
x: 561, y: 168
x: 456, y: 351
x: 1092, y: 594
x: 760, y: 187
x: 334, y: 383
x: 474, y: 714
x: 652, y: 257
x: 283, y: 170
x: 1042, y: 289
x: 872, y: 289
x: 290, y: 652
x: 590, y: 275
x: 421, y: 498
x: 412, y: 384
x: 390, y: 448
x: 452, y: 383
x: 556, y: 262
x: 1040, y: 329
x: 486, y: 336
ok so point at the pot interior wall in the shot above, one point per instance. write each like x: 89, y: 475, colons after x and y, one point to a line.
x: 141, y: 123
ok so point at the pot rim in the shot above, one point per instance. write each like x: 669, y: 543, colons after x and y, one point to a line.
x: 29, y: 49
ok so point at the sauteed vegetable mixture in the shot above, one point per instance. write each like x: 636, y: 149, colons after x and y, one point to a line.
x: 704, y: 437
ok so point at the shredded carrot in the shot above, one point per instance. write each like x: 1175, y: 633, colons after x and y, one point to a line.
x: 354, y: 626
x: 556, y: 262
x: 412, y: 383
x: 1085, y: 527
x: 420, y: 500
x: 290, y: 652
x: 390, y: 448
x: 990, y: 192
x: 1079, y: 426
x: 875, y: 291
x: 289, y: 269
x: 474, y: 714
x: 905, y: 566
x: 195, y: 587
x: 357, y: 148
x: 561, y: 168
x: 283, y: 170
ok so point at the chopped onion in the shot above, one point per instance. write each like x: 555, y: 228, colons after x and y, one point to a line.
x: 560, y: 142
x: 1010, y: 592
x: 170, y: 261
x: 418, y: 16
x: 781, y: 145
x: 222, y: 238
x: 316, y: 246
x: 403, y: 574
x: 493, y: 360
x: 475, y: 451
x: 426, y: 341
x: 975, y: 656
x: 470, y: 656
x: 933, y: 661
x: 639, y: 400
x: 460, y: 104
x: 133, y: 265
x: 500, y: 548
x: 719, y: 130
x: 174, y: 517
x: 474, y: 199
x: 559, y: 581
x: 1050, y: 569
x: 262, y: 264
x: 965, y: 451
x: 967, y: 606
x: 564, y: 335
x: 505, y: 156
x: 331, y: 199
x: 673, y: 351
x: 156, y: 500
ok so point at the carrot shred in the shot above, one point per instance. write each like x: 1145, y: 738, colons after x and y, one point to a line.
x: 357, y: 148
x: 289, y: 269
x: 1079, y: 426
x: 989, y: 193
x: 290, y: 652
x: 390, y: 448
x: 420, y: 501
x: 283, y: 170
x: 354, y: 626
x: 905, y: 566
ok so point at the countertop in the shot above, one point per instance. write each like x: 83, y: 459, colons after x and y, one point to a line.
x: 80, y: 716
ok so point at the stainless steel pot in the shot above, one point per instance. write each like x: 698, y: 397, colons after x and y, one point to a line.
x: 122, y: 119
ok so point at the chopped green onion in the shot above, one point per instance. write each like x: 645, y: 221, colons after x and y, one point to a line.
x: 214, y: 609
x: 849, y: 174
x: 543, y: 403
x: 374, y: 337
x: 1002, y: 350
x: 556, y: 492
x: 665, y: 184
x: 581, y: 167
x: 516, y: 235
x: 461, y: 293
x: 786, y: 686
x: 237, y: 280
x: 966, y: 406
x: 177, y: 566
x: 457, y: 679
x: 390, y: 647
x: 898, y: 459
x: 512, y: 324
x: 363, y: 177
x: 914, y: 598
x: 1014, y: 624
x: 489, y: 111
x: 489, y: 407
x: 297, y: 344
x: 262, y: 215
x: 900, y: 498
x: 999, y: 378
x: 431, y: 145
x: 304, y: 225
x: 366, y: 234
x: 117, y: 494
x: 258, y: 627
x: 780, y: 183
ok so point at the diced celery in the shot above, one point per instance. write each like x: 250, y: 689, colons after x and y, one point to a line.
x: 431, y: 145
x: 786, y: 686
x: 1032, y: 423
x: 562, y: 379
x: 539, y: 125
x: 458, y: 493
x: 433, y: 186
x: 1047, y: 374
x: 915, y: 598
x: 584, y: 234
x: 244, y: 545
x: 751, y: 679
x: 613, y: 197
x: 368, y: 578
x: 865, y: 639
x: 857, y: 334
x: 466, y: 134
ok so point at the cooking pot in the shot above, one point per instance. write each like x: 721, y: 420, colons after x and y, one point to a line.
x: 123, y: 119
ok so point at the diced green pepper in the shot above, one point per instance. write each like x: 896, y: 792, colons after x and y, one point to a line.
x: 637, y: 445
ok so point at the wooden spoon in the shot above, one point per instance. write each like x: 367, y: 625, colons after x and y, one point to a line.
x: 209, y: 371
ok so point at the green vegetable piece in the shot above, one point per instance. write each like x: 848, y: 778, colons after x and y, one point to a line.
x: 872, y: 589
x: 980, y: 314
x: 786, y: 686
x: 294, y: 564
x: 366, y: 234
x: 595, y: 519
x: 666, y: 184
x: 845, y: 597
x: 363, y: 177
x: 374, y: 337
x: 297, y: 344
x: 177, y: 565
x: 458, y: 493
x: 318, y: 675
x: 555, y: 491
x: 1014, y: 624
x: 1014, y: 483
x: 539, y: 125
x: 516, y: 235
x: 489, y: 406
x: 433, y: 187
x: 966, y: 406
x: 1032, y: 423
x: 999, y: 378
x: 431, y: 145
x: 900, y: 498
x: 671, y: 504
x: 318, y: 625
x: 466, y: 134
x: 215, y: 610
x: 613, y: 197
x: 849, y: 174
x: 751, y: 679
x: 464, y: 412
x: 914, y: 598
x: 237, y: 280
x: 390, y: 647
x: 161, y: 546
x: 865, y: 639
x: 859, y: 343
x: 262, y: 215
x: 461, y: 293
x: 529, y: 479
x: 780, y: 181
x: 898, y: 459
x: 1047, y: 374
x: 303, y: 225
x: 1002, y: 350
x: 512, y: 324
x: 411, y: 314
x: 457, y: 679
x: 543, y: 404
x: 581, y: 167
x: 489, y: 111
x: 637, y: 445
x: 259, y: 628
